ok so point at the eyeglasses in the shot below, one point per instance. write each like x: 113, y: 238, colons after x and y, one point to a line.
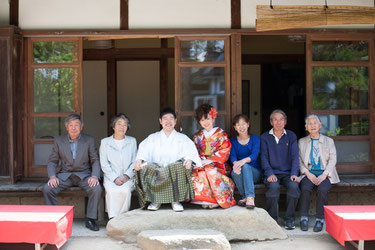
x: 241, y: 125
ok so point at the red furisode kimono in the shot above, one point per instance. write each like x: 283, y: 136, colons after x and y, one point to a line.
x: 211, y: 184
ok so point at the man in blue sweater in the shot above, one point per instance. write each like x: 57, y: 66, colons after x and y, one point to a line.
x: 279, y: 157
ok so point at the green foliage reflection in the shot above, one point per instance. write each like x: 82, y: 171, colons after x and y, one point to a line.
x: 340, y: 51
x: 340, y: 88
x: 55, y: 52
x: 53, y: 90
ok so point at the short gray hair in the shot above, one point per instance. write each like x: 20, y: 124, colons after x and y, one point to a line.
x: 72, y: 117
x: 312, y: 116
x: 279, y: 111
x: 120, y: 116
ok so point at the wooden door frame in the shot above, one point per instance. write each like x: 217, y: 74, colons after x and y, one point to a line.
x: 112, y: 56
x: 30, y: 170
x: 226, y: 64
x: 356, y: 167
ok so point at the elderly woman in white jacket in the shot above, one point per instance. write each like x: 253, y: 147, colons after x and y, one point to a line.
x: 117, y: 156
x: 318, y: 169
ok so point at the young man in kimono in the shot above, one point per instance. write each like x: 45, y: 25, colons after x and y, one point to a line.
x: 163, y: 164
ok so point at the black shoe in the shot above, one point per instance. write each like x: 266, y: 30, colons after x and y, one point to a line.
x: 289, y: 225
x: 242, y: 203
x: 91, y: 224
x: 304, y: 225
x: 318, y: 226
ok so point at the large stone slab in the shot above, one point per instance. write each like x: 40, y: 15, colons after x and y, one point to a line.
x: 182, y: 239
x: 236, y: 223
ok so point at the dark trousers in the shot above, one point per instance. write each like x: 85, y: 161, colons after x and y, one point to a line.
x: 321, y: 198
x: 94, y: 194
x: 273, y: 194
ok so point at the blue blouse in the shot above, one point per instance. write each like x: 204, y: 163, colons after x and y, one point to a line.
x: 316, y: 168
x: 251, y: 149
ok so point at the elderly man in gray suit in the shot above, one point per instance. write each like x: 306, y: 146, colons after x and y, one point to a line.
x: 78, y: 157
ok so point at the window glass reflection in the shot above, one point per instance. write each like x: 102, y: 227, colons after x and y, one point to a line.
x: 352, y: 151
x: 202, y: 51
x: 340, y: 88
x: 202, y: 85
x: 55, y: 52
x: 48, y: 127
x: 53, y: 89
x: 340, y: 51
x: 344, y: 125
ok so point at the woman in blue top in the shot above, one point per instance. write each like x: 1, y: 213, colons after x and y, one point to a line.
x: 244, y: 156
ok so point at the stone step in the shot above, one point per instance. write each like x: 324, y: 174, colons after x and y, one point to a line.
x: 236, y: 223
x: 182, y: 239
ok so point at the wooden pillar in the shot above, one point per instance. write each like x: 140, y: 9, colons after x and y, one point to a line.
x: 11, y: 104
x: 236, y: 14
x: 372, y: 102
x: 13, y: 12
x: 164, y: 99
x: 236, y: 76
x: 111, y: 92
x: 124, y: 14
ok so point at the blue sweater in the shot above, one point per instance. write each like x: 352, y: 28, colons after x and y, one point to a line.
x: 282, y: 157
x: 239, y: 151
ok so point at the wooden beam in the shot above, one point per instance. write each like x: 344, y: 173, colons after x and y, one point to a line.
x: 289, y: 16
x: 129, y: 54
x: 13, y: 12
x: 236, y: 14
x: 111, y: 92
x: 124, y: 14
x: 165, y: 33
x: 272, y: 58
x: 164, y: 75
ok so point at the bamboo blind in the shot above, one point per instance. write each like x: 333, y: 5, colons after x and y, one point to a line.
x: 282, y: 17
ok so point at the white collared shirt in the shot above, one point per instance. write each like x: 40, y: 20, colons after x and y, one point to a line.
x: 276, y: 138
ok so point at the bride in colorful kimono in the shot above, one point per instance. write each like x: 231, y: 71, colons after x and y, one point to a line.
x: 212, y: 186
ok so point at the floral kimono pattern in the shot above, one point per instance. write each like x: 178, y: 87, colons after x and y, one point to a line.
x: 211, y: 184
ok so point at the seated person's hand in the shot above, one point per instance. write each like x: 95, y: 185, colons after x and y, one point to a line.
x: 243, y: 161
x: 272, y: 178
x: 295, y: 178
x: 123, y: 178
x: 118, y: 181
x: 93, y: 181
x: 312, y: 178
x: 206, y: 162
x: 237, y: 167
x: 187, y: 164
x: 138, y: 165
x: 320, y: 178
x: 53, y: 182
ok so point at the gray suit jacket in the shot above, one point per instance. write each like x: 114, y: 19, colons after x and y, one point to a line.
x: 85, y: 164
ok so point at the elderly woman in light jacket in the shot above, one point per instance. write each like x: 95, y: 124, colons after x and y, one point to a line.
x: 117, y: 156
x: 318, y: 169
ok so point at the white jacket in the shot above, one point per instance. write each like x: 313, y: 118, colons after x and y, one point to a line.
x: 115, y: 162
x: 328, y: 157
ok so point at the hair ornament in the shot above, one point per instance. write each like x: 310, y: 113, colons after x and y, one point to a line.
x: 213, y: 113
